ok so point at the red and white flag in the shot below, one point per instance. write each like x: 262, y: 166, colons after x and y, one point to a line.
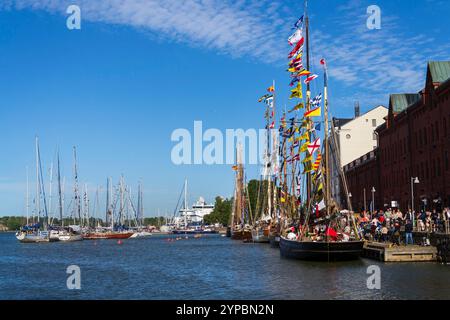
x: 296, y: 48
x: 296, y: 37
x: 310, y: 78
x: 314, y: 146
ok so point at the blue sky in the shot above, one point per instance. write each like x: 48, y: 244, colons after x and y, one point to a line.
x: 137, y: 70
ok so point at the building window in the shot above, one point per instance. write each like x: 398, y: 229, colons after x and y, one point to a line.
x: 374, y: 122
x: 374, y: 136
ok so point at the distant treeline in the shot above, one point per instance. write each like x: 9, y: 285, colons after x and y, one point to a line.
x: 15, y: 222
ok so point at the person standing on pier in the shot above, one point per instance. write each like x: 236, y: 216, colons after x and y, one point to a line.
x: 408, y: 232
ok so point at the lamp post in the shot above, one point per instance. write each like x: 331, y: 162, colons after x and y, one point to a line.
x: 413, y: 181
x: 373, y: 201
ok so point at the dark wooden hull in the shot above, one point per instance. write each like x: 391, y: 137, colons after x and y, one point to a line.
x: 229, y: 232
x: 241, y: 235
x: 321, y: 251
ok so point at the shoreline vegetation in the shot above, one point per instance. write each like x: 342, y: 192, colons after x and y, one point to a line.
x: 14, y: 223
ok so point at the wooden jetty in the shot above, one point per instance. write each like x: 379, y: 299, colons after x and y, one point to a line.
x: 387, y: 252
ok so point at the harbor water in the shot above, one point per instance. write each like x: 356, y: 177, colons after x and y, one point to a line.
x: 210, y: 267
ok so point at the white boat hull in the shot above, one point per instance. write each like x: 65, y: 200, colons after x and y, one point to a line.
x: 36, y: 237
x: 141, y: 234
x: 70, y: 237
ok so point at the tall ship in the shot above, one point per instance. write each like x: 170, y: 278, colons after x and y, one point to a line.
x: 312, y: 225
x: 265, y: 213
x: 240, y: 228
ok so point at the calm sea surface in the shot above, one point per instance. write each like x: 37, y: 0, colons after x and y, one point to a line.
x: 212, y: 267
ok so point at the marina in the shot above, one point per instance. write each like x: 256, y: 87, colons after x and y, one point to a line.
x: 214, y: 267
x: 261, y: 150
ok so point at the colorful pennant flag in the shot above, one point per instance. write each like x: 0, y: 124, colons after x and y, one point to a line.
x: 317, y: 100
x: 313, y: 113
x: 297, y: 47
x: 304, y: 147
x: 271, y: 89
x: 317, y: 162
x: 303, y: 73
x: 310, y: 78
x: 298, y: 23
x: 296, y: 37
x: 297, y: 92
x: 265, y: 97
x: 297, y: 107
x: 315, y: 145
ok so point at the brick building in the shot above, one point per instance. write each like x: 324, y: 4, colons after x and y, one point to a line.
x: 362, y: 175
x: 413, y: 142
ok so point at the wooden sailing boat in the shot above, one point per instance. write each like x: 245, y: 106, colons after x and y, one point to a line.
x: 265, y: 213
x: 116, y: 230
x: 327, y: 236
x: 240, y: 229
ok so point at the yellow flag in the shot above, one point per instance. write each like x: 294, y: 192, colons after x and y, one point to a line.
x: 320, y: 187
x: 304, y: 147
x: 297, y: 92
x: 313, y: 113
x: 305, y: 136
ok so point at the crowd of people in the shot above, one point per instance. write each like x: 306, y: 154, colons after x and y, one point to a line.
x: 389, y: 225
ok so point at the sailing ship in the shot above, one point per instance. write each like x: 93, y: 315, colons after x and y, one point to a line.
x: 240, y: 227
x: 62, y: 232
x: 140, y: 231
x: 312, y: 225
x: 265, y: 210
x: 117, y: 229
x: 36, y: 231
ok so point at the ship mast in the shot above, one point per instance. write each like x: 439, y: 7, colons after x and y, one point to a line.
x: 28, y: 199
x: 60, y: 194
x: 38, y: 191
x: 308, y: 106
x: 76, y: 195
x: 185, y: 204
x: 327, y: 154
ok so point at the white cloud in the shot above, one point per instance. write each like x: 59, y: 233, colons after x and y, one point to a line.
x: 367, y: 61
x: 231, y: 27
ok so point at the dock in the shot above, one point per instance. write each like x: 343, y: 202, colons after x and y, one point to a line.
x: 387, y: 252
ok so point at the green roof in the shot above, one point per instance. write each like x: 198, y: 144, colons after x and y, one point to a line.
x: 440, y: 71
x: 399, y: 102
